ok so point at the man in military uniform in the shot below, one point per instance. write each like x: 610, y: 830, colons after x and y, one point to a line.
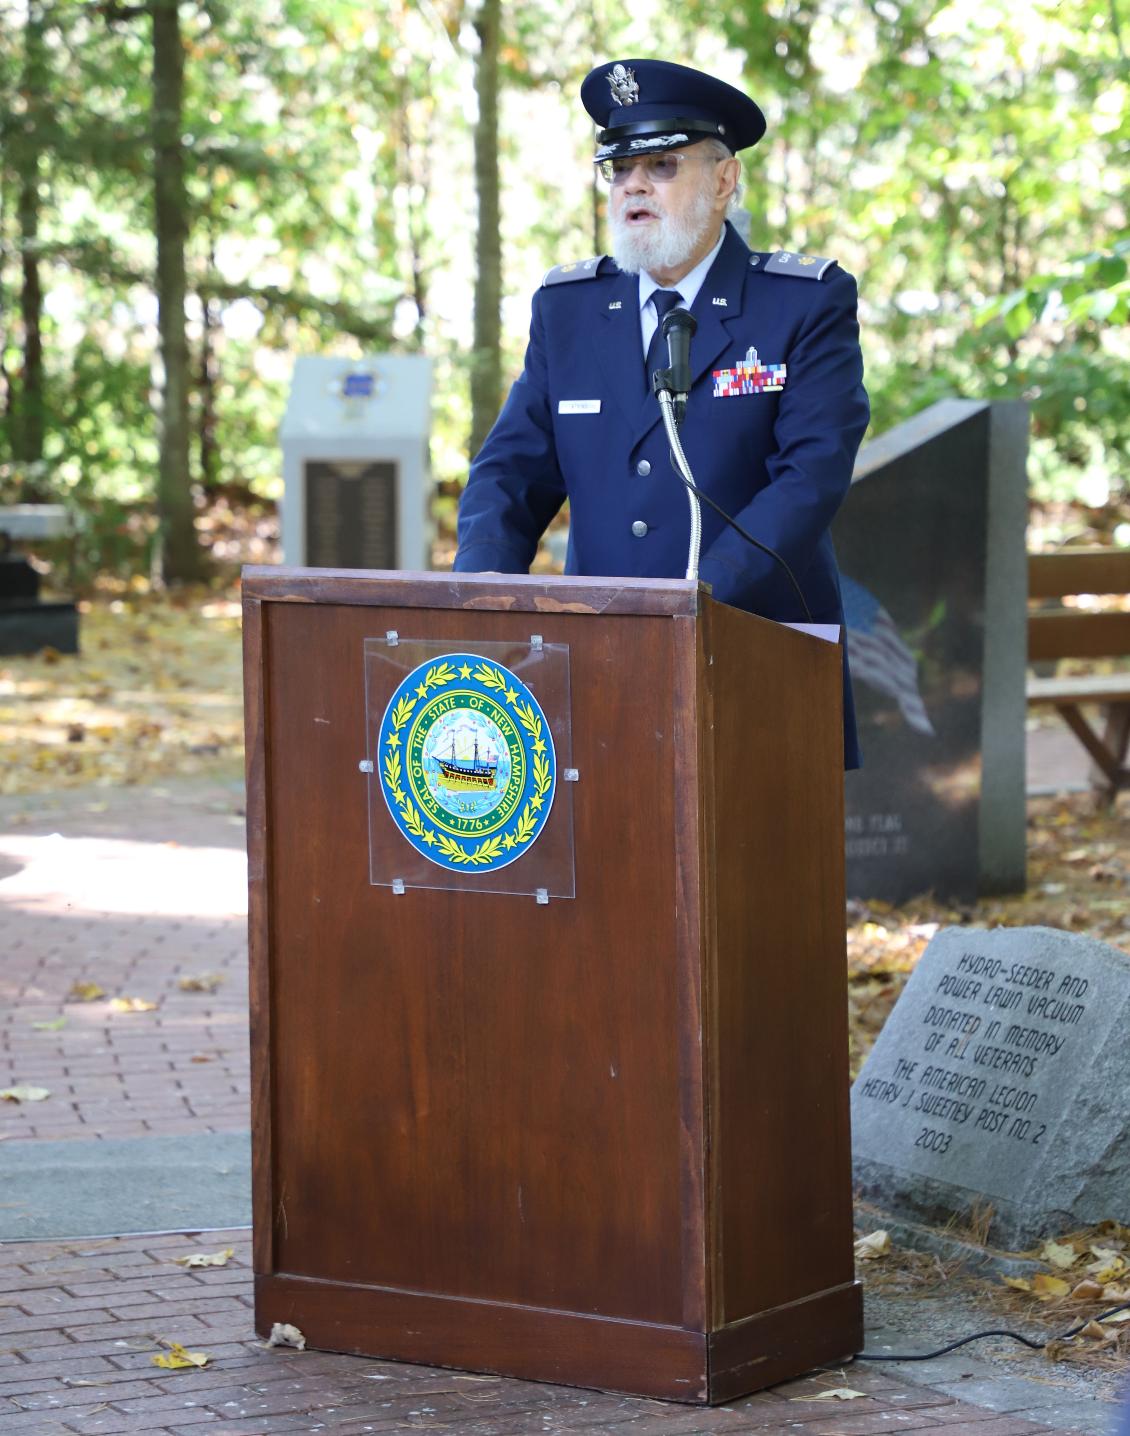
x: 776, y: 408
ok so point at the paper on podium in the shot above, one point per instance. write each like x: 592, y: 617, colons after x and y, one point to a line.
x: 829, y: 632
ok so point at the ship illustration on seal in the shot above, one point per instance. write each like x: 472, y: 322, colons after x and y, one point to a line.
x: 472, y: 774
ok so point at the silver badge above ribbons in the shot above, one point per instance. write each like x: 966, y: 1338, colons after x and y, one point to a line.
x: 625, y: 91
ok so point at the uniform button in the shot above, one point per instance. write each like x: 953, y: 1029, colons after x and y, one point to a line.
x: 643, y: 468
x: 639, y: 528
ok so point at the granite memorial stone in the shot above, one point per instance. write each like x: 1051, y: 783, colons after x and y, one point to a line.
x: 1001, y: 1078
x: 931, y: 547
x: 355, y: 463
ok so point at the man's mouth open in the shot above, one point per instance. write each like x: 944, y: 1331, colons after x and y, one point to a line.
x: 639, y: 214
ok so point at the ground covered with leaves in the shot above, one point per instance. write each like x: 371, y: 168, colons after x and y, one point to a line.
x: 1078, y: 880
x: 154, y: 693
x: 1070, y: 1299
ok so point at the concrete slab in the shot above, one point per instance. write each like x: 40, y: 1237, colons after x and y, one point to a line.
x: 140, y: 1184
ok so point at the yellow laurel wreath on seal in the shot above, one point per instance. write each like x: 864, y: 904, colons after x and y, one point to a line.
x: 490, y: 848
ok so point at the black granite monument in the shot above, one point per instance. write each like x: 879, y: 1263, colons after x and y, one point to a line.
x: 931, y: 546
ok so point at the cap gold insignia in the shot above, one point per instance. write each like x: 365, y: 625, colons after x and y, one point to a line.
x: 625, y: 91
x: 567, y: 268
x: 807, y: 259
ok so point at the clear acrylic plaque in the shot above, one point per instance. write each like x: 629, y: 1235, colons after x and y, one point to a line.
x: 469, y: 766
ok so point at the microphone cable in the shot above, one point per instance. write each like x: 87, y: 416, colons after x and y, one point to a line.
x: 982, y: 1335
x: 704, y: 497
x: 677, y: 327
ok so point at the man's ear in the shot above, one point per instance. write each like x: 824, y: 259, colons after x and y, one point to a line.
x: 728, y: 176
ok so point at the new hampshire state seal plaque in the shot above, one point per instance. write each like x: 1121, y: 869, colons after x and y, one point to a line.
x: 466, y: 763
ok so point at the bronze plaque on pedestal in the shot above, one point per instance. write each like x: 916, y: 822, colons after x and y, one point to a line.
x: 351, y: 514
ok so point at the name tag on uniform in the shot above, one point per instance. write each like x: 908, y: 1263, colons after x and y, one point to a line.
x: 578, y: 406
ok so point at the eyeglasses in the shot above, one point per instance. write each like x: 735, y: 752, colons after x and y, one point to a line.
x: 659, y: 169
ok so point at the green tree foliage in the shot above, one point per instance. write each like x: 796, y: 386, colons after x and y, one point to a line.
x: 966, y: 159
x: 959, y: 158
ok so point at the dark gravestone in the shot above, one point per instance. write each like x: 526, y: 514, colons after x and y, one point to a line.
x: 1000, y: 1078
x: 350, y: 514
x: 29, y: 623
x: 931, y: 545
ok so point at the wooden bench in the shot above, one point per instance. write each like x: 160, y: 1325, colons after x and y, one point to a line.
x: 1057, y: 632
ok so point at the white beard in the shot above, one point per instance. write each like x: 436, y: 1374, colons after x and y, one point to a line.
x: 666, y: 245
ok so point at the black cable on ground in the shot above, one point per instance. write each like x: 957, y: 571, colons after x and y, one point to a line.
x: 982, y: 1335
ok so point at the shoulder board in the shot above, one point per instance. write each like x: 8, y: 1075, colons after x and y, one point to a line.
x: 567, y: 273
x: 800, y: 266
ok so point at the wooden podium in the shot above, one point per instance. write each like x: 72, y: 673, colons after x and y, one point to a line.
x: 602, y: 1140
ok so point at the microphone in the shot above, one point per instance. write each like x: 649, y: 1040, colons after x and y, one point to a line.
x: 677, y: 327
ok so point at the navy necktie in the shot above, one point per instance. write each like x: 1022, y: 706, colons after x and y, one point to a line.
x: 664, y: 300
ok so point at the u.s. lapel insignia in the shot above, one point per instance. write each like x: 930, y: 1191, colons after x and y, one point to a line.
x: 467, y: 764
x: 719, y: 301
x: 616, y: 304
x: 749, y: 376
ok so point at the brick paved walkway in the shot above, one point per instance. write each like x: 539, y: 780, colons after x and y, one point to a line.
x: 138, y: 891
x: 81, y: 1322
x: 135, y: 893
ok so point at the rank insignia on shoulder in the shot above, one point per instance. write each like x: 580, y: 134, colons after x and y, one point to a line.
x: 567, y: 273
x: 800, y: 266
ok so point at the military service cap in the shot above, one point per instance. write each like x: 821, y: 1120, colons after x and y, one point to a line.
x: 643, y: 106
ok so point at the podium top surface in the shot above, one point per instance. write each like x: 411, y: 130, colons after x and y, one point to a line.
x: 501, y: 592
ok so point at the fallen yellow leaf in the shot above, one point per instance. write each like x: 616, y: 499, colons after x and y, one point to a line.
x: 1118, y: 1317
x: 1021, y: 1283
x: 836, y: 1393
x: 206, y: 982
x: 131, y: 1004
x: 24, y: 1094
x: 283, y: 1334
x: 1087, y: 1290
x: 872, y: 1246
x: 180, y: 1360
x: 84, y: 992
x: 206, y: 1258
x: 1059, y: 1255
x: 1048, y: 1286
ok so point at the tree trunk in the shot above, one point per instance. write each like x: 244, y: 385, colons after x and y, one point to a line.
x: 30, y: 407
x: 207, y: 380
x: 486, y: 357
x: 179, y: 554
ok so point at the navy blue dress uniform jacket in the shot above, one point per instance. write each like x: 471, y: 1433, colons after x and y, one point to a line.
x: 778, y: 461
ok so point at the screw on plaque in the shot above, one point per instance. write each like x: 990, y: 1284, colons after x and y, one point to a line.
x: 536, y: 642
x: 571, y: 775
x: 365, y: 765
x: 392, y: 638
x: 542, y: 895
x: 398, y: 886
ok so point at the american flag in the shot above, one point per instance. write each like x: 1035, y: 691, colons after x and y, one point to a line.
x: 879, y: 658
